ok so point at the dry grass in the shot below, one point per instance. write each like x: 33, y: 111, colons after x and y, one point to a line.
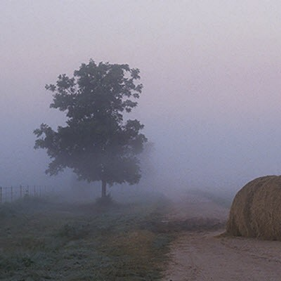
x: 48, y: 241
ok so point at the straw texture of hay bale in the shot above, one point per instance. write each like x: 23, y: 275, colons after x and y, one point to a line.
x: 256, y: 210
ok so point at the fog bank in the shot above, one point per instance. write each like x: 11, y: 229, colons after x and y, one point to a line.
x: 211, y: 76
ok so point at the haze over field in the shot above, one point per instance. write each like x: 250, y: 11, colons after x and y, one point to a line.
x: 210, y: 69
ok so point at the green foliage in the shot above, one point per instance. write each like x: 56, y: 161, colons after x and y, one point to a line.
x: 6, y: 210
x: 96, y: 143
x: 73, y: 232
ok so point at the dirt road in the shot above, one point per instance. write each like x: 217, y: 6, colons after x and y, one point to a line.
x: 202, y: 255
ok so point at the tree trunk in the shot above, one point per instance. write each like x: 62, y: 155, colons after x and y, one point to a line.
x: 103, y: 189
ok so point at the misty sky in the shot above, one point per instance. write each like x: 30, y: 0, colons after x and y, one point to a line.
x: 211, y: 72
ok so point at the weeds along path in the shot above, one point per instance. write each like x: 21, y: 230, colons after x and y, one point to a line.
x: 199, y: 254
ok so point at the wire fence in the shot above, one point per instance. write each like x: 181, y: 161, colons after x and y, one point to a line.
x: 10, y: 194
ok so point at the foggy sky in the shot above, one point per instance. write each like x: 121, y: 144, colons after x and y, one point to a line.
x: 210, y: 69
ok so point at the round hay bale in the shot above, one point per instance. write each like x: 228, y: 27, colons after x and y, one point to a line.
x: 256, y: 210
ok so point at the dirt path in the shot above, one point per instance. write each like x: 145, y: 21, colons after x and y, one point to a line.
x: 201, y: 255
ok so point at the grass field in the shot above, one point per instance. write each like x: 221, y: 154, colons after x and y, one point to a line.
x: 42, y: 239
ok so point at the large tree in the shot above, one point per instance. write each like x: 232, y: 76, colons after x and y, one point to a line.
x: 96, y: 143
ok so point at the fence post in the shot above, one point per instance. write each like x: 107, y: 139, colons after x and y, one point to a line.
x: 27, y: 191
x: 1, y: 196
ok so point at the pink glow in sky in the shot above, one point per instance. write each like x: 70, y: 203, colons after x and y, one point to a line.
x: 211, y: 72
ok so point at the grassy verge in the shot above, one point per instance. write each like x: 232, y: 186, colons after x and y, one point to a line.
x: 40, y: 240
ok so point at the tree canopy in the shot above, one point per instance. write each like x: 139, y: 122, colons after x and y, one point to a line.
x: 96, y: 143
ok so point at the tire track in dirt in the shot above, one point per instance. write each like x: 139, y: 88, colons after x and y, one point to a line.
x: 203, y: 256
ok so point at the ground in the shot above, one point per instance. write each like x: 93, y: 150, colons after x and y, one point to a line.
x: 168, y: 238
x: 203, y: 254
